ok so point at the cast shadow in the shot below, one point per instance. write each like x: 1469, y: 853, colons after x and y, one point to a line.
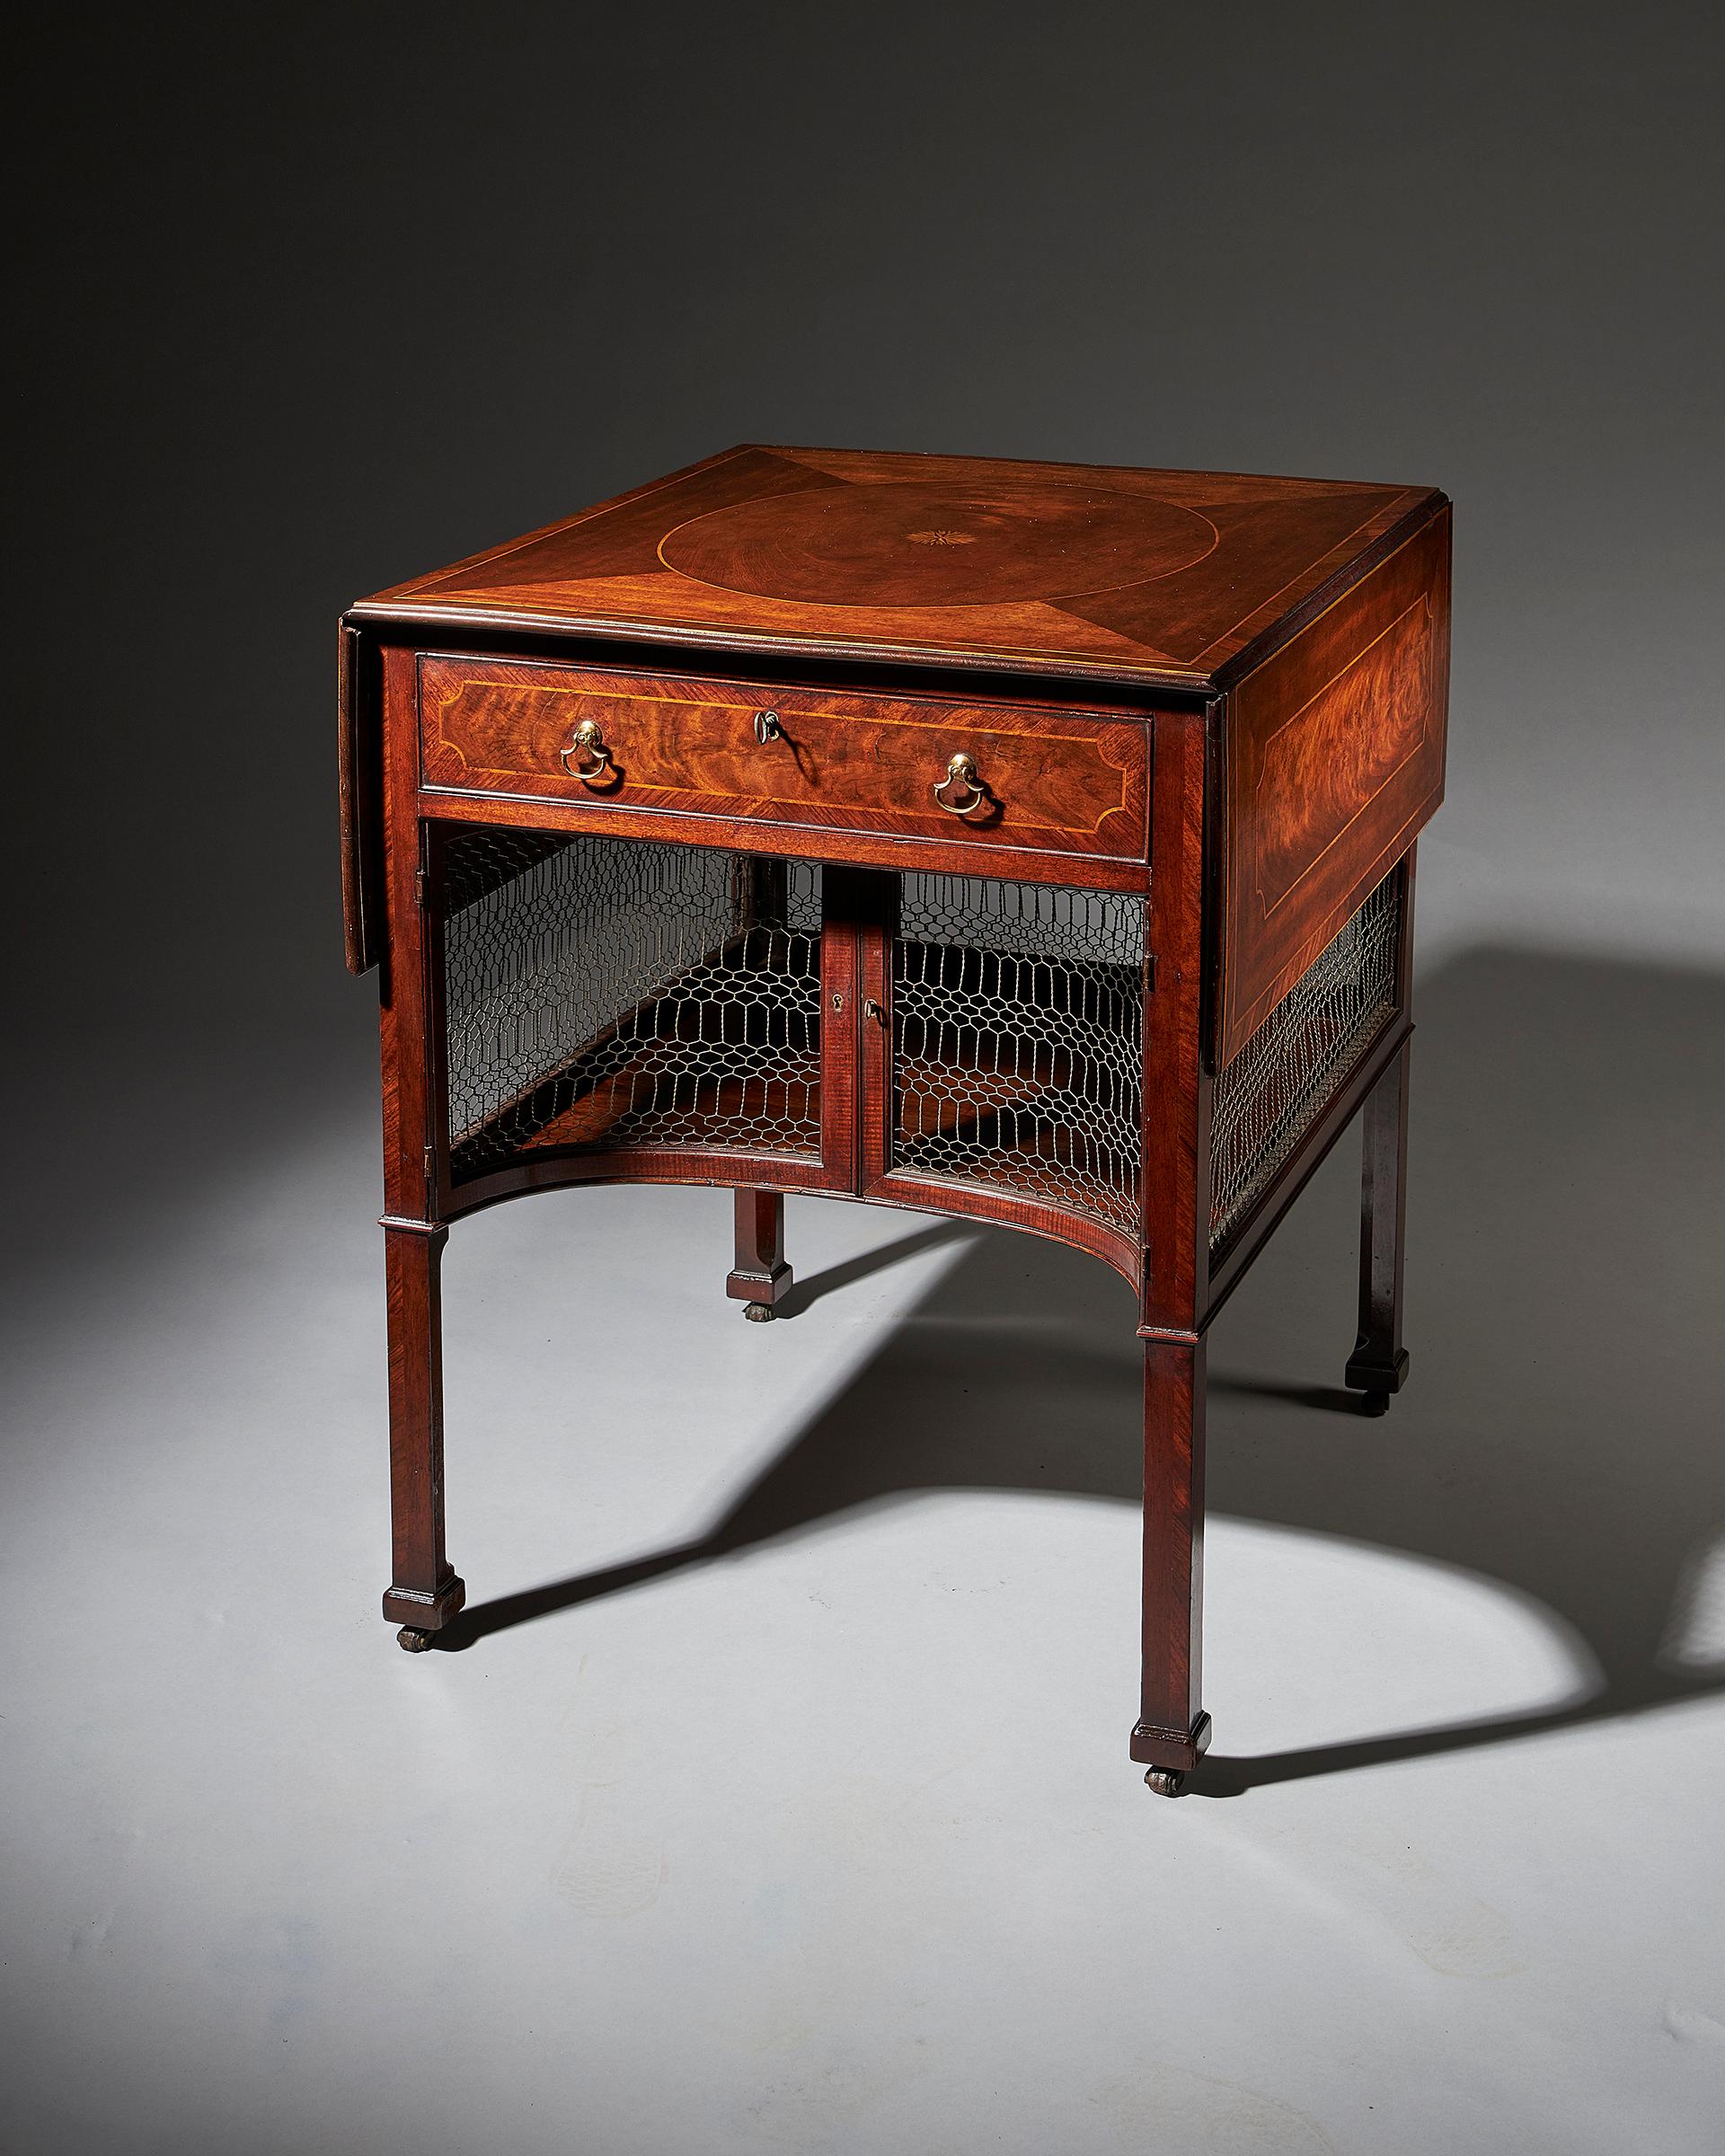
x: 1565, y: 1280
x: 804, y: 1293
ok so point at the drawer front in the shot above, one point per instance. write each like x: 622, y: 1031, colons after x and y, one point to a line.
x: 1039, y: 779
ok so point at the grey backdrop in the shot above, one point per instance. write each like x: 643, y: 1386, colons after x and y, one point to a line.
x: 311, y: 302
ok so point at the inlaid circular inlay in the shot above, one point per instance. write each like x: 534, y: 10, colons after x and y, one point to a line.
x: 924, y: 543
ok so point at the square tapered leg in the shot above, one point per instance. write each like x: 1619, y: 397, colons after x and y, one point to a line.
x: 1172, y: 1729
x: 1378, y: 1366
x: 759, y: 1276
x: 424, y: 1592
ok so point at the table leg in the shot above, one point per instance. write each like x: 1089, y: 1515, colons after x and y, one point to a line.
x: 424, y: 1592
x: 760, y: 1276
x: 1378, y: 1366
x: 1172, y: 1727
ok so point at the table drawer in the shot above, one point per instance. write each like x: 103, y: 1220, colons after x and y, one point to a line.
x: 1044, y: 780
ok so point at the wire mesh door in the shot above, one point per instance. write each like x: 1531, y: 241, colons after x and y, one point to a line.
x: 606, y: 996
x: 1017, y: 1046
x: 1268, y: 1096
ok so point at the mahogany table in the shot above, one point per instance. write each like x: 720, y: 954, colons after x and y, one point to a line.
x: 1032, y: 843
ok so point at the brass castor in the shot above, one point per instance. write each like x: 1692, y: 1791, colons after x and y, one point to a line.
x: 1165, y: 1781
x: 757, y: 1313
x: 413, y: 1639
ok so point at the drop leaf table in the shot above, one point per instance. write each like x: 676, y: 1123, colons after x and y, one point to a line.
x: 1032, y: 843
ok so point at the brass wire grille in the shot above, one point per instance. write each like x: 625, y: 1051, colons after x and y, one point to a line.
x: 1266, y: 1099
x: 604, y: 993
x: 1018, y: 1024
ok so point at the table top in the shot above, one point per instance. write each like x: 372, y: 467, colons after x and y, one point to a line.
x: 1092, y: 571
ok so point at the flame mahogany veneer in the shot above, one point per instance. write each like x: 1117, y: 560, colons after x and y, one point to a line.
x: 1223, y: 694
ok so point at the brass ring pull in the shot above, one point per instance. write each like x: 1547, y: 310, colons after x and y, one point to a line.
x: 767, y: 727
x: 961, y: 773
x: 592, y: 757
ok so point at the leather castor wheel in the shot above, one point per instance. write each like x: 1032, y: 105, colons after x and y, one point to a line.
x: 1375, y: 1403
x: 1165, y: 1781
x: 413, y: 1639
x: 757, y: 1313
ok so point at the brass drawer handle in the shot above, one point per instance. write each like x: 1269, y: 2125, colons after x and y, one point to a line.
x: 961, y: 773
x: 767, y: 727
x: 592, y: 757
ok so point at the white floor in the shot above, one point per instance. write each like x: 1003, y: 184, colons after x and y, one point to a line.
x: 817, y: 1831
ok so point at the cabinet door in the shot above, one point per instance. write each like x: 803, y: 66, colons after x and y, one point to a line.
x: 619, y: 1007
x: 1003, y: 1076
